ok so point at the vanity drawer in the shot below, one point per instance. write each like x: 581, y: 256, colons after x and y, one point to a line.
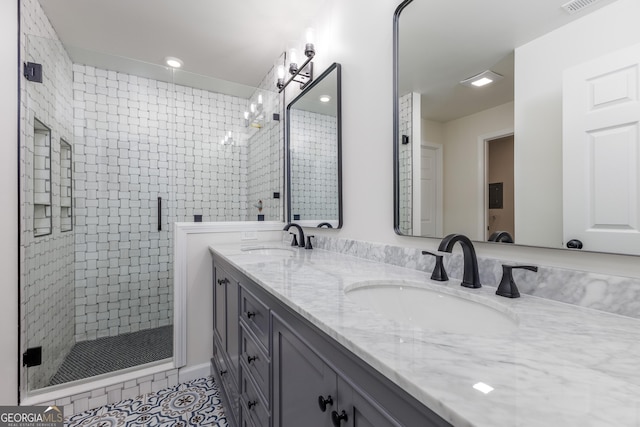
x: 254, y: 409
x: 255, y: 362
x: 255, y: 315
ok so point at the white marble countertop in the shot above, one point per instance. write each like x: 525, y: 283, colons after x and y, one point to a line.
x: 564, y: 366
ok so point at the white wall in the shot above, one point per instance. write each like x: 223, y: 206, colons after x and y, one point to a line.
x: 364, y: 47
x: 9, y: 212
x: 200, y: 290
x: 538, y: 111
x: 464, y: 168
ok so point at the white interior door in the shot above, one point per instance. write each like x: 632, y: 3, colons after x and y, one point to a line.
x: 428, y: 198
x: 601, y: 153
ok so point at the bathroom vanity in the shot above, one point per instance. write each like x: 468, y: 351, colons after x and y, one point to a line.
x: 299, y: 340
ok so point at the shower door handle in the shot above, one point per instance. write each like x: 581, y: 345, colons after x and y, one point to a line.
x: 159, y: 213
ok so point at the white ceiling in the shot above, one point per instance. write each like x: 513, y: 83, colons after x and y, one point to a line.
x: 443, y: 42
x: 237, y: 41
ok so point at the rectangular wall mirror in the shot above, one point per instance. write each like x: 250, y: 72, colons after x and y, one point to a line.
x: 518, y: 122
x: 313, y: 150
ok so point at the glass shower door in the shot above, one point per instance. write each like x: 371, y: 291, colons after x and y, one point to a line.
x: 96, y: 233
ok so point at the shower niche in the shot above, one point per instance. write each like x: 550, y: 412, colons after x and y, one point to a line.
x: 66, y: 187
x: 42, y: 218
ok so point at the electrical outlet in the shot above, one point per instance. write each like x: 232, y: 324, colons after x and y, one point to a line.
x: 249, y: 235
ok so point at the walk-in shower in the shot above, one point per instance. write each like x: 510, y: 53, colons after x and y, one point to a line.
x: 109, y: 161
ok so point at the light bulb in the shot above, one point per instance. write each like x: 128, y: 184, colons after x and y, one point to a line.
x: 311, y: 35
x: 253, y: 108
x: 259, y: 99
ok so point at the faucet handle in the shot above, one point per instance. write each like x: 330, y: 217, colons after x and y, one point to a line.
x: 507, y: 287
x: 294, y: 241
x: 439, y: 273
x: 309, y: 246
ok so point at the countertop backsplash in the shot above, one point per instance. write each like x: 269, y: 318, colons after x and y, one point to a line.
x: 613, y: 294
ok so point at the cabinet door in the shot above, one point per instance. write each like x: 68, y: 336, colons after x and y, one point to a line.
x: 219, y: 306
x: 300, y: 378
x: 225, y: 316
x: 354, y: 409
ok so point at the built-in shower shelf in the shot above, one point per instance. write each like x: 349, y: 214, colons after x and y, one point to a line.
x: 42, y: 213
x: 66, y: 190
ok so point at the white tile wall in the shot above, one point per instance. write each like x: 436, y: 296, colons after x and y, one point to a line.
x: 115, y: 393
x: 314, y: 165
x: 406, y: 169
x: 46, y: 261
x: 132, y: 140
x: 265, y: 151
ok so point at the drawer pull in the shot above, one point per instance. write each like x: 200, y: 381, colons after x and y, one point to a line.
x: 223, y: 372
x: 223, y: 281
x: 251, y: 358
x: 252, y: 403
x: 322, y: 402
x: 336, y: 418
x: 250, y: 314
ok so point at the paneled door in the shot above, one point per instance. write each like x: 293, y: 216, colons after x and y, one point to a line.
x: 601, y: 153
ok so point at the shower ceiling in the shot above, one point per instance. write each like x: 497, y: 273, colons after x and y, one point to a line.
x: 236, y: 41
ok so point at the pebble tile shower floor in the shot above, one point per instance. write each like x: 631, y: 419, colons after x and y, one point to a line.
x: 89, y: 358
x: 194, y: 403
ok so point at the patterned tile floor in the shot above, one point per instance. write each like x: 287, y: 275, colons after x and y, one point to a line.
x: 195, y: 403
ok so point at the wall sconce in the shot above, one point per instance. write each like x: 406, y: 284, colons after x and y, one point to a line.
x: 254, y: 116
x: 302, y: 74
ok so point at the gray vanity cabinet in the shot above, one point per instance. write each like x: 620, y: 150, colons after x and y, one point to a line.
x: 300, y: 379
x: 282, y: 371
x: 307, y: 391
x: 225, y: 336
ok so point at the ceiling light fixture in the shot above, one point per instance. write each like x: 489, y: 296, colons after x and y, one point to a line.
x: 173, y: 62
x: 482, y: 79
x: 302, y: 74
x: 325, y: 98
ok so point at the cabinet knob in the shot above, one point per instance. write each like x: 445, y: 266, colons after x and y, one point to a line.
x: 251, y: 358
x: 223, y: 372
x: 223, y: 281
x: 336, y: 418
x: 252, y: 403
x: 250, y: 314
x: 322, y: 402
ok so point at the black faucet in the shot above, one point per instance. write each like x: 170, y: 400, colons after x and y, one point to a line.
x: 471, y: 277
x: 300, y: 233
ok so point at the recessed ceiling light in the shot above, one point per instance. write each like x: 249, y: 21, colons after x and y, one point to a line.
x: 325, y: 98
x: 482, y: 79
x: 173, y: 62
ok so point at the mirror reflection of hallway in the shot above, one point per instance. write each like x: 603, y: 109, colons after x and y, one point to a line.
x: 500, y: 184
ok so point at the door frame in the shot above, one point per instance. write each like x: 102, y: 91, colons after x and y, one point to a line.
x: 483, y: 176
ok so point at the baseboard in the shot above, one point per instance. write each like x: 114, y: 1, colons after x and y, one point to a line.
x: 189, y: 373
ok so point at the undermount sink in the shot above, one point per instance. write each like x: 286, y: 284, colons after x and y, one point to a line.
x: 427, y: 308
x: 270, y: 251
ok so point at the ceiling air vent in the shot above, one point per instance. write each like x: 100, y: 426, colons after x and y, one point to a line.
x: 577, y: 5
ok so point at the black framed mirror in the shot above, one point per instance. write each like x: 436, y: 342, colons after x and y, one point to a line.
x: 544, y: 152
x: 314, y: 153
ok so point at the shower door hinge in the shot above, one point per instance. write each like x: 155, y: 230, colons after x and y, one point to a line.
x: 32, y: 357
x: 33, y: 72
